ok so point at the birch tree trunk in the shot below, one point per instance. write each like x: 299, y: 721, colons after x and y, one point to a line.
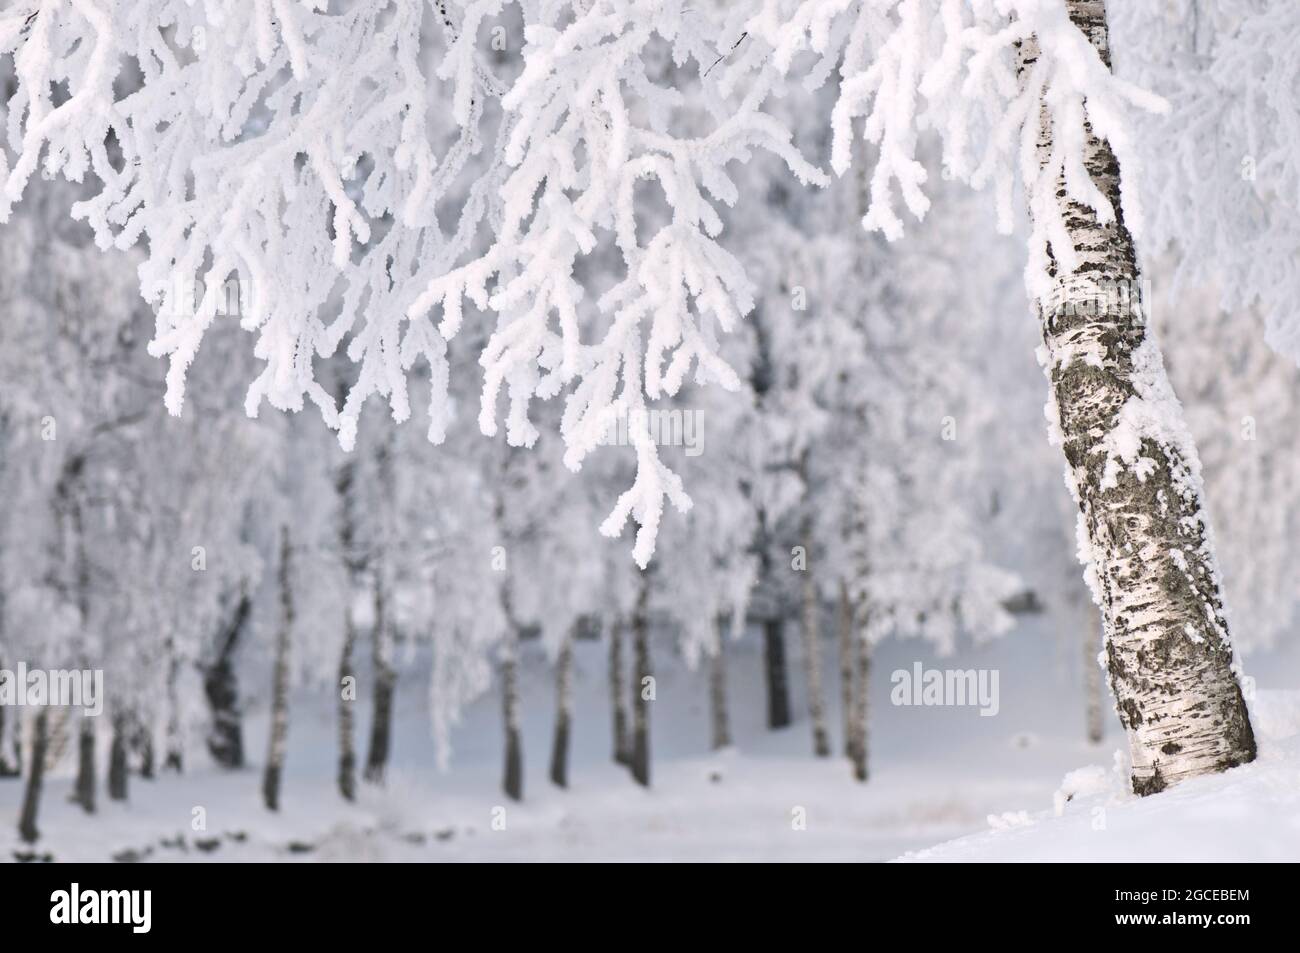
x: 382, y: 723
x: 142, y: 745
x: 9, y: 768
x: 1168, y: 652
x: 618, y: 693
x: 68, y: 493
x: 513, y: 779
x: 354, y: 564
x: 58, y: 735
x: 862, y: 664
x: 83, y: 792
x: 812, y: 652
x: 1092, y: 679
x: 563, y: 713
x: 173, y: 741
x: 641, y: 688
x: 117, y: 766
x: 280, y: 682
x: 221, y: 687
x: 768, y: 605
x: 27, y: 829
x: 844, y: 625
x: 347, y: 775
x: 719, y: 720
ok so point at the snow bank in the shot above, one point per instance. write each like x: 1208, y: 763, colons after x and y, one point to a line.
x: 1251, y: 813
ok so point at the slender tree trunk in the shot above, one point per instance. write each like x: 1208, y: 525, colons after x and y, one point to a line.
x: 1092, y: 679
x: 768, y: 601
x: 142, y: 744
x: 221, y: 686
x: 618, y: 693
x: 513, y: 777
x: 117, y: 782
x: 70, y: 519
x: 8, y: 768
x: 778, y: 687
x: 718, y: 715
x: 347, y: 699
x: 1167, y: 647
x: 563, y: 713
x: 812, y: 653
x: 174, y: 759
x: 844, y: 625
x: 641, y: 687
x: 280, y: 681
x: 84, y: 789
x: 381, y: 725
x: 862, y: 663
x: 381, y: 730
x: 27, y: 829
x: 58, y: 736
x: 354, y: 562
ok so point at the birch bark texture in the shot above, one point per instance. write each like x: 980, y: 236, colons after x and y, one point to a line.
x: 1134, y: 473
x: 347, y: 772
x: 810, y: 631
x: 862, y: 682
x: 844, y: 636
x: 381, y: 725
x: 354, y: 565
x: 618, y: 694
x: 279, y: 736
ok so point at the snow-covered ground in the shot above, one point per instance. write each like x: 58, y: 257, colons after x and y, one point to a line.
x: 1250, y: 814
x: 937, y: 775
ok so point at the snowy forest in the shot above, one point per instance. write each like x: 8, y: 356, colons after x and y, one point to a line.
x: 633, y: 430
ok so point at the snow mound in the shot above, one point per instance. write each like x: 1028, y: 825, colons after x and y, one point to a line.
x: 1251, y: 813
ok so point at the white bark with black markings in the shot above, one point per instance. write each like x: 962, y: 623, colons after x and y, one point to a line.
x: 279, y: 736
x: 810, y: 631
x: 1132, y: 467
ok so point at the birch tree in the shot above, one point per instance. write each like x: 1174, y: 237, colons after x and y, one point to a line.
x: 280, y: 678
x: 240, y: 152
x: 563, y: 715
x: 1132, y: 464
x: 1032, y: 80
x: 1221, y: 247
